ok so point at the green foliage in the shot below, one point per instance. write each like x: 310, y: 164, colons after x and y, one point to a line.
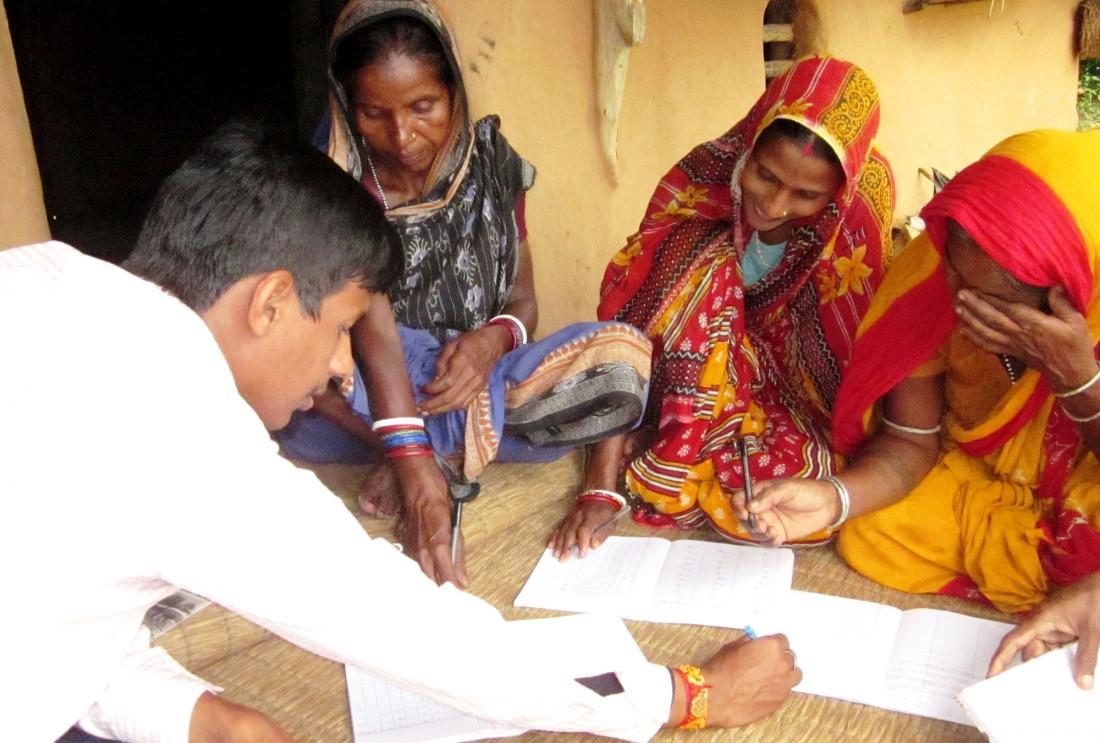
x: 1088, y: 94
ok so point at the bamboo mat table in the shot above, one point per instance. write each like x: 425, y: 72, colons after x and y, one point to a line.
x: 505, y: 530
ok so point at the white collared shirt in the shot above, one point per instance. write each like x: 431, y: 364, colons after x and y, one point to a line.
x: 130, y: 466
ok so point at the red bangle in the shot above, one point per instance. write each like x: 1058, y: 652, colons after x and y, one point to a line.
x: 698, y: 697
x: 590, y: 497
x: 415, y: 450
x: 512, y: 330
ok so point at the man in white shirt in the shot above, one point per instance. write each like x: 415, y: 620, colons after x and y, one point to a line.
x: 134, y: 459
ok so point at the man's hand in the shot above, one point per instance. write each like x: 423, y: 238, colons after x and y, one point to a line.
x: 1073, y: 613
x: 463, y: 367
x: 787, y: 510
x: 217, y: 720
x: 749, y: 680
x: 425, y: 524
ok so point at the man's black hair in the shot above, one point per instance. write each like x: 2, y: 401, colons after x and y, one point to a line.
x: 250, y: 201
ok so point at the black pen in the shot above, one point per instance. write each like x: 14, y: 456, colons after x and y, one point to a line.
x: 462, y: 491
x: 744, y: 449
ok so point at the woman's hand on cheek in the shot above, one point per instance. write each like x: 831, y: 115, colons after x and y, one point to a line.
x: 1057, y: 345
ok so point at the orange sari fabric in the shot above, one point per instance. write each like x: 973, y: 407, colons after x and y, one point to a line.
x: 766, y: 360
x: 1018, y: 497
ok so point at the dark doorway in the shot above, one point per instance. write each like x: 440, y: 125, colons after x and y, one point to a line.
x: 119, y: 93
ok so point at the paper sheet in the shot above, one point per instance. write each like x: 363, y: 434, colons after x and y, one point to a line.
x: 384, y: 713
x: 652, y: 579
x: 611, y: 579
x: 1035, y: 701
x: 936, y: 655
x: 909, y: 661
x: 843, y: 645
x: 721, y: 585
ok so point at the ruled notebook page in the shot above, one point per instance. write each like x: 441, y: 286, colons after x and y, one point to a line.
x: 384, y: 713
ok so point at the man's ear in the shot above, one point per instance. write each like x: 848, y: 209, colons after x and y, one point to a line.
x: 273, y: 296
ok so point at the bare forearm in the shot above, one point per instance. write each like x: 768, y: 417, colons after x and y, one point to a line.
x: 335, y: 408
x: 602, y: 466
x: 521, y: 302
x: 378, y: 352
x: 894, y: 462
x: 526, y: 310
x: 887, y: 470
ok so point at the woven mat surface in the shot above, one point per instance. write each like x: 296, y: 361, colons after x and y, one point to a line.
x: 505, y: 530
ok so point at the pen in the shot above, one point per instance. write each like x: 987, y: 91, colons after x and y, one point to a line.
x: 744, y: 449
x: 462, y: 491
x: 749, y: 632
x: 456, y: 527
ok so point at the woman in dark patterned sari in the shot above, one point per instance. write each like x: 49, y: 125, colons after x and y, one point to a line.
x: 454, y: 191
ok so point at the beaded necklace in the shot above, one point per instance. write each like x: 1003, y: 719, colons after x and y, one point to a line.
x: 1014, y: 367
x: 374, y: 174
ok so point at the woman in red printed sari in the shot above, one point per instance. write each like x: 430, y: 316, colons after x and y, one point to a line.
x: 758, y: 256
x: 976, y: 475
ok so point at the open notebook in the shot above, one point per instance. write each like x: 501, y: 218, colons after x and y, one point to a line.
x: 683, y: 581
x: 382, y: 712
x: 1035, y: 701
x: 912, y: 661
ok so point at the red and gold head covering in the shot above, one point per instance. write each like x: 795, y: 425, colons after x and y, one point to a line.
x: 843, y: 248
x: 731, y: 360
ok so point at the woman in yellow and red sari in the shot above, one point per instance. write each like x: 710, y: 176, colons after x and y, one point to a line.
x: 758, y: 256
x: 987, y: 324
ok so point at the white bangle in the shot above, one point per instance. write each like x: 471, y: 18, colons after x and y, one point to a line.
x: 515, y: 321
x: 845, y: 502
x: 911, y: 429
x: 1079, y: 390
x: 1085, y: 419
x: 409, y: 421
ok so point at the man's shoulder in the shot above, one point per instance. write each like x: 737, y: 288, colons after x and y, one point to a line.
x: 53, y: 274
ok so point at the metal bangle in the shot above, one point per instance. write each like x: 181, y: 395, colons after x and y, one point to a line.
x: 1083, y: 419
x: 1079, y: 390
x: 911, y: 429
x: 845, y: 502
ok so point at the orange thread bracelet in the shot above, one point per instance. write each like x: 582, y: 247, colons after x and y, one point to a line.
x: 698, y: 697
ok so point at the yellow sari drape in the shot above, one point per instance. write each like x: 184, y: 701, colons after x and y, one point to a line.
x: 978, y: 524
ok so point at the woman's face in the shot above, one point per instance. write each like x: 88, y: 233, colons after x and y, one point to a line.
x: 781, y: 182
x: 403, y: 110
x: 969, y: 267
